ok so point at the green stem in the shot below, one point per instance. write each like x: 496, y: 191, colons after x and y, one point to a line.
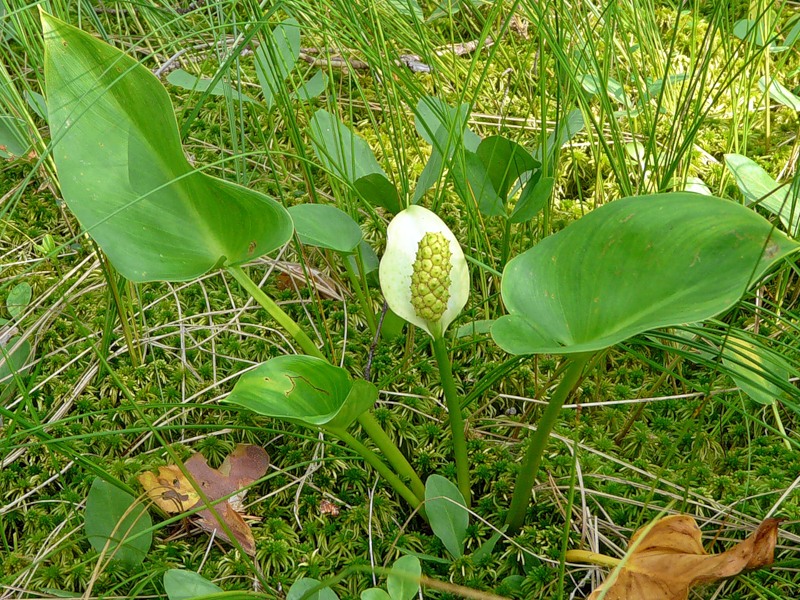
x: 372, y: 458
x: 780, y: 425
x: 454, y: 414
x: 366, y: 307
x: 392, y: 453
x: 276, y: 312
x: 538, y: 443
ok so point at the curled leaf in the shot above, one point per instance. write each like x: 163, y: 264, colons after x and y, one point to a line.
x: 668, y: 558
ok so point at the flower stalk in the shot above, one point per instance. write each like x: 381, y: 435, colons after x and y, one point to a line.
x: 425, y: 280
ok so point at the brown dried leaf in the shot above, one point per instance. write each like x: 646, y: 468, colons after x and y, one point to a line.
x: 668, y: 559
x: 239, y: 469
x: 293, y: 275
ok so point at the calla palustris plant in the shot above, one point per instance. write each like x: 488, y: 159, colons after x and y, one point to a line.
x: 425, y: 280
x: 627, y: 267
x: 123, y: 173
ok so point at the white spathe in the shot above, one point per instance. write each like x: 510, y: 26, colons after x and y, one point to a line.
x: 402, y: 242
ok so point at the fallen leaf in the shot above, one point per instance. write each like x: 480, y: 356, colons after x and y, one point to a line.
x: 173, y: 492
x: 667, y: 559
x: 169, y: 489
x: 294, y: 274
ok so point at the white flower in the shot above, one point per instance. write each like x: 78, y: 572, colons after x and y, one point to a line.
x: 423, y: 272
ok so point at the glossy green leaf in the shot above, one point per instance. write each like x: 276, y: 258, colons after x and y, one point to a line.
x: 375, y: 594
x: 326, y: 226
x: 377, y: 190
x: 304, y: 389
x: 448, y: 8
x: 184, y: 585
x: 780, y: 94
x: 123, y: 172
x: 369, y: 260
x: 14, y: 141
x: 479, y: 327
x: 444, y: 128
x: 276, y: 57
x: 750, y: 29
x: 473, y: 184
x: 403, y: 580
x: 340, y: 151
x: 697, y: 185
x: 311, y: 88
x: 568, y: 127
x: 534, y: 197
x: 485, y: 550
x: 654, y: 88
x: 303, y: 585
x: 633, y: 265
x: 755, y: 368
x: 117, y: 524
x: 37, y: 103
x: 18, y: 299
x: 597, y: 86
x: 187, y: 81
x: 447, y: 513
x: 504, y: 161
x: 757, y: 186
x: 392, y: 326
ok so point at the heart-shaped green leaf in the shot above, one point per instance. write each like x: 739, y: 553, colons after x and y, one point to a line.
x: 304, y: 389
x: 116, y: 524
x: 633, y: 265
x: 568, y: 127
x: 15, y: 358
x: 18, y: 299
x: 444, y: 128
x: 123, y: 172
x: 326, y: 227
x: 311, y: 88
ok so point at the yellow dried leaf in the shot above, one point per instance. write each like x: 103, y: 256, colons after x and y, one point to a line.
x: 169, y: 489
x: 667, y: 559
